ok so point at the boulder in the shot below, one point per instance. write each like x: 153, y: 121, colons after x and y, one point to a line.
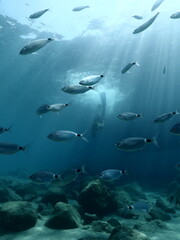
x: 157, y: 213
x: 125, y: 233
x: 101, y: 226
x: 121, y: 197
x: 65, y: 216
x: 134, y: 191
x: 96, y: 198
x: 53, y: 196
x: 7, y: 194
x: 165, y: 205
x: 17, y: 216
x: 152, y: 226
x: 113, y: 222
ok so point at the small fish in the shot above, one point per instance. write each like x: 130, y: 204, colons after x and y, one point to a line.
x: 77, y: 89
x: 177, y: 167
x: 34, y: 46
x: 139, y: 207
x: 44, y: 177
x: 165, y: 117
x: 137, y: 17
x: 128, y: 66
x: 63, y: 135
x: 2, y: 129
x: 38, y: 14
x: 58, y: 107
x: 128, y: 116
x: 10, y: 148
x: 43, y: 109
x: 77, y: 9
x: 175, y: 129
x: 145, y: 25
x: 164, y: 70
x: 91, y: 80
x: 156, y: 4
x: 135, y: 143
x: 175, y: 15
x: 111, y: 174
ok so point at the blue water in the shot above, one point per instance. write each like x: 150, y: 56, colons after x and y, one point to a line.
x: 30, y: 81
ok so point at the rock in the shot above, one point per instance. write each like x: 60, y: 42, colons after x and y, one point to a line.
x: 7, y: 194
x: 53, y: 196
x: 173, y: 186
x: 24, y: 189
x: 113, y: 222
x: 17, y: 216
x: 125, y: 233
x: 44, y: 210
x: 152, y: 226
x: 88, y: 218
x: 101, y: 226
x: 96, y: 198
x: 135, y: 192
x: 92, y: 238
x: 64, y: 216
x: 157, y: 213
x: 165, y: 205
x: 121, y: 197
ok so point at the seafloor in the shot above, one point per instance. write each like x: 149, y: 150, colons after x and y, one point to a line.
x: 87, y: 209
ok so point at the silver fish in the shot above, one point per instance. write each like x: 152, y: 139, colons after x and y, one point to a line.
x: 134, y: 143
x: 175, y: 15
x: 38, y: 14
x: 91, y: 80
x: 165, y: 117
x: 137, y: 17
x: 146, y: 24
x: 164, y: 70
x: 139, y: 207
x: 44, y: 177
x: 156, y: 4
x: 63, y: 135
x: 79, y: 8
x: 111, y: 174
x: 35, y: 46
x: 58, y: 107
x: 76, y: 89
x: 128, y: 116
x: 128, y: 66
x: 175, y: 129
x: 10, y: 148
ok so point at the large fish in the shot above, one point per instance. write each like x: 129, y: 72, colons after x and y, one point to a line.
x: 175, y: 15
x: 44, y: 177
x: 145, y: 25
x: 111, y: 174
x: 165, y: 117
x: 76, y: 89
x: 128, y: 66
x: 38, y: 14
x: 35, y: 46
x: 10, y: 148
x: 91, y: 80
x: 129, y: 116
x: 63, y: 136
x: 79, y: 8
x: 156, y: 4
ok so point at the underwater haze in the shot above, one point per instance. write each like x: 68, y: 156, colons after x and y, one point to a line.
x: 96, y: 40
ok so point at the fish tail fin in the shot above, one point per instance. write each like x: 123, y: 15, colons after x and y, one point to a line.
x: 137, y: 64
x: 9, y: 129
x: 155, y: 140
x: 83, y: 170
x: 141, y: 115
x: 81, y: 135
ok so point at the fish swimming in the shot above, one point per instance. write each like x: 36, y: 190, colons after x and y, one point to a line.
x: 2, y: 129
x: 44, y: 177
x: 35, y: 46
x: 43, y: 109
x: 175, y: 15
x: 128, y: 66
x: 164, y: 70
x: 175, y: 129
x: 165, y: 117
x: 58, y: 107
x: 63, y: 136
x: 111, y: 174
x: 38, y: 14
x: 76, y: 89
x: 134, y: 143
x: 128, y: 116
x: 77, y: 9
x: 137, y: 17
x: 145, y: 25
x: 139, y: 207
x: 10, y: 148
x: 91, y: 80
x: 156, y: 4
